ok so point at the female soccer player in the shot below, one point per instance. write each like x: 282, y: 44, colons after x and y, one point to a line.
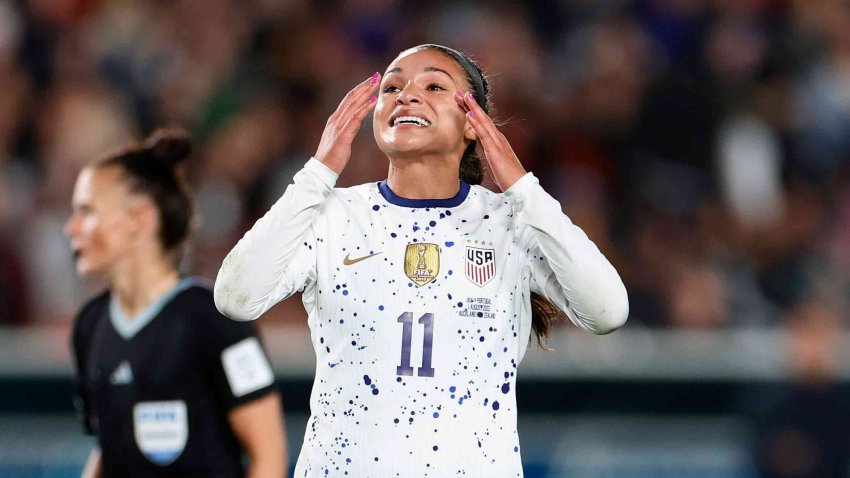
x: 419, y: 288
x: 168, y: 386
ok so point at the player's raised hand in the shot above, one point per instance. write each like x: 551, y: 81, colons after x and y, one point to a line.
x: 335, y: 146
x: 500, y: 155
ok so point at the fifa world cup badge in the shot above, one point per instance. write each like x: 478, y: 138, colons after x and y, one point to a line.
x: 422, y: 262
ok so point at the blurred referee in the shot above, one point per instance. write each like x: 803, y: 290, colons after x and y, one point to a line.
x: 169, y: 386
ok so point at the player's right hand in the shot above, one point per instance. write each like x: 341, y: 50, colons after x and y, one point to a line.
x: 335, y: 146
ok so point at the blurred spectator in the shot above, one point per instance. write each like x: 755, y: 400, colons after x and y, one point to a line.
x: 806, y: 433
x: 14, y: 302
x: 702, y: 144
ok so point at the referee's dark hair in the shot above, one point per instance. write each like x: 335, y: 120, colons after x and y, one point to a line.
x: 150, y: 169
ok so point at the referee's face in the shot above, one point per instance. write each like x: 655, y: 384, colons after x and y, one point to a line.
x: 103, y: 227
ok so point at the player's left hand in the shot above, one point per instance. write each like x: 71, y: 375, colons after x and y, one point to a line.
x: 500, y: 155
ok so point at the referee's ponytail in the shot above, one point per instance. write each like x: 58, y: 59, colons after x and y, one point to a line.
x: 150, y: 169
x: 168, y: 146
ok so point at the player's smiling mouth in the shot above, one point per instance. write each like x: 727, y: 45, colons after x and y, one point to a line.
x: 408, y: 117
x: 414, y: 120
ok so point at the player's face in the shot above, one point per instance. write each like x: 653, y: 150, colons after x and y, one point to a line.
x: 103, y: 225
x: 419, y: 87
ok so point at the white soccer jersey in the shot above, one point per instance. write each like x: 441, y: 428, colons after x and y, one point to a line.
x: 419, y: 315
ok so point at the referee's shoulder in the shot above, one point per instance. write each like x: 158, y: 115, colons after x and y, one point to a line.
x: 198, y: 307
x: 197, y: 293
x: 91, y: 312
x: 92, y: 307
x: 197, y: 299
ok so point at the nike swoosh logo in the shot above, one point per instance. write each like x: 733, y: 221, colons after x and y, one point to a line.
x: 348, y: 261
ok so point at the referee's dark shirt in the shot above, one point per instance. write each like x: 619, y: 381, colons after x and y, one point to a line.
x: 156, y: 390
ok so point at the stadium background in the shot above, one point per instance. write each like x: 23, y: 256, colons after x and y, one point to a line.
x: 702, y: 144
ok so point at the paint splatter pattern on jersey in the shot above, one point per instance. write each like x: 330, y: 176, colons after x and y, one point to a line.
x: 416, y: 356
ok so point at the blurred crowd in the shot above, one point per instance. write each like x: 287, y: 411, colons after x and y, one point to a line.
x: 702, y: 144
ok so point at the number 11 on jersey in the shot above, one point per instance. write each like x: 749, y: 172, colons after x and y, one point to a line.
x: 406, y: 319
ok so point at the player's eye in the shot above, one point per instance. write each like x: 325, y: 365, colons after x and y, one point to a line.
x: 435, y: 87
x: 391, y: 89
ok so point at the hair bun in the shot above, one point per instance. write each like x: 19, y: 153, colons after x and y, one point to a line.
x: 169, y: 146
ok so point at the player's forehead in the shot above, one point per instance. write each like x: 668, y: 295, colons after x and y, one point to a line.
x: 414, y: 61
x: 99, y: 184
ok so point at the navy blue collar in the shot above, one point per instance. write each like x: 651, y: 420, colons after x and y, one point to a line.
x: 392, y: 198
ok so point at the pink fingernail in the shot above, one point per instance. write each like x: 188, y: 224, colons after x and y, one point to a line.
x: 470, y: 114
x: 375, y: 78
x: 373, y: 99
x: 458, y: 94
x: 469, y: 95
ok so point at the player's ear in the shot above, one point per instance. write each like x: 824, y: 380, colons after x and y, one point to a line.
x: 145, y: 217
x: 469, y: 132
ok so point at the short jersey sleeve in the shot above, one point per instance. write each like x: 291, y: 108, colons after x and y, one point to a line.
x: 236, y: 359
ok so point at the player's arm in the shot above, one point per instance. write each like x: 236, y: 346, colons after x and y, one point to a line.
x: 92, y: 469
x: 583, y: 283
x: 573, y: 275
x: 276, y: 257
x: 272, y: 261
x: 259, y: 427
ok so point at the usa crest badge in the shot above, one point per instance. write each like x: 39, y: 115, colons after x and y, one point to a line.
x: 480, y: 264
x: 422, y: 262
